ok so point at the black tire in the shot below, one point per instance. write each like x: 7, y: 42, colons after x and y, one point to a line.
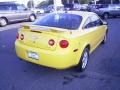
x: 106, y: 15
x: 114, y: 16
x: 83, y: 60
x: 105, y: 39
x: 3, y: 22
x: 32, y: 18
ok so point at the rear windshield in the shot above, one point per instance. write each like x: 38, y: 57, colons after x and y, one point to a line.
x: 60, y: 20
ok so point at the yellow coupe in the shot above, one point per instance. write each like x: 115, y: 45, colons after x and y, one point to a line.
x: 61, y: 40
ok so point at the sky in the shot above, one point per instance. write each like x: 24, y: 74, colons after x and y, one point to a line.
x: 24, y: 1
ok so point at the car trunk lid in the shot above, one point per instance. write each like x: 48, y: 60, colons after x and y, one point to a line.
x: 39, y: 36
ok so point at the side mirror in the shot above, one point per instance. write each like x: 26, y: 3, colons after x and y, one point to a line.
x: 105, y: 23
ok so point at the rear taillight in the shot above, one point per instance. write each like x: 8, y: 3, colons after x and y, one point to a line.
x: 17, y: 36
x: 51, y: 42
x: 21, y: 36
x: 64, y: 43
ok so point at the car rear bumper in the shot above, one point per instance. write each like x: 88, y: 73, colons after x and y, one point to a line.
x: 54, y: 59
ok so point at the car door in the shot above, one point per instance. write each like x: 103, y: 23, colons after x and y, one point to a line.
x: 94, y: 30
x: 99, y: 29
x: 90, y: 33
x: 22, y: 12
x: 9, y: 12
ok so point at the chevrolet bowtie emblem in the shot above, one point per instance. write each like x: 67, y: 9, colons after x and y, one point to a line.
x: 34, y: 38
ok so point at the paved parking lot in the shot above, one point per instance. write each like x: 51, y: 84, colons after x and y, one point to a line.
x: 103, y: 72
x: 12, y: 26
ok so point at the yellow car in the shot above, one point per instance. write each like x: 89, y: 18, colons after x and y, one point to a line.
x: 61, y: 40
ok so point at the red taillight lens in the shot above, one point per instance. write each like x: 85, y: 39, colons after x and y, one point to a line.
x: 21, y: 36
x: 51, y: 42
x: 64, y: 43
x: 17, y: 36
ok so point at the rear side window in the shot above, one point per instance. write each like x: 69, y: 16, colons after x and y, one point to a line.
x: 87, y: 24
x: 92, y: 21
x: 60, y: 20
x: 3, y: 7
x: 96, y: 21
x: 104, y: 6
x: 7, y: 7
x: 21, y: 7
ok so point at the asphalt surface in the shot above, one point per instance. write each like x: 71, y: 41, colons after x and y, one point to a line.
x: 102, y: 73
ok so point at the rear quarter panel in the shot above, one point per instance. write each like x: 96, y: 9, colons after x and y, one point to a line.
x: 82, y: 38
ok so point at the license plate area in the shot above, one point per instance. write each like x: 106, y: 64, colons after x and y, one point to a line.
x: 33, y: 55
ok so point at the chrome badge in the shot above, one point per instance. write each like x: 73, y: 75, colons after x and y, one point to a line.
x: 34, y: 38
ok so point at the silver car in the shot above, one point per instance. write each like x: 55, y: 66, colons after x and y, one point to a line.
x: 108, y: 10
x: 12, y: 12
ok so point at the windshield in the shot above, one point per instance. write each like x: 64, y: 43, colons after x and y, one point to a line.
x: 60, y: 20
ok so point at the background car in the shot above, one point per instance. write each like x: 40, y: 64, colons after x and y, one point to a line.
x: 46, y: 8
x: 92, y: 7
x: 61, y: 40
x: 108, y: 10
x: 84, y: 7
x: 37, y: 11
x: 75, y: 6
x: 68, y: 6
x: 12, y: 12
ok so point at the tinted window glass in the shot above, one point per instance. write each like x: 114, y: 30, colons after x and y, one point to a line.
x: 12, y: 7
x: 96, y: 20
x: 3, y: 7
x: 92, y: 21
x: 70, y: 6
x: 104, y: 6
x: 21, y: 7
x: 7, y: 7
x: 87, y: 24
x: 60, y: 20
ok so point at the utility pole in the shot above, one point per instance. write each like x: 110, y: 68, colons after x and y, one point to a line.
x: 79, y: 1
x: 30, y: 4
x: 111, y: 1
x: 55, y: 5
x: 95, y: 2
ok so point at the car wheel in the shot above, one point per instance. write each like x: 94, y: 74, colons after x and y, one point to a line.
x: 114, y: 16
x: 83, y: 60
x: 105, y: 39
x: 32, y: 18
x: 3, y: 22
x: 106, y: 15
